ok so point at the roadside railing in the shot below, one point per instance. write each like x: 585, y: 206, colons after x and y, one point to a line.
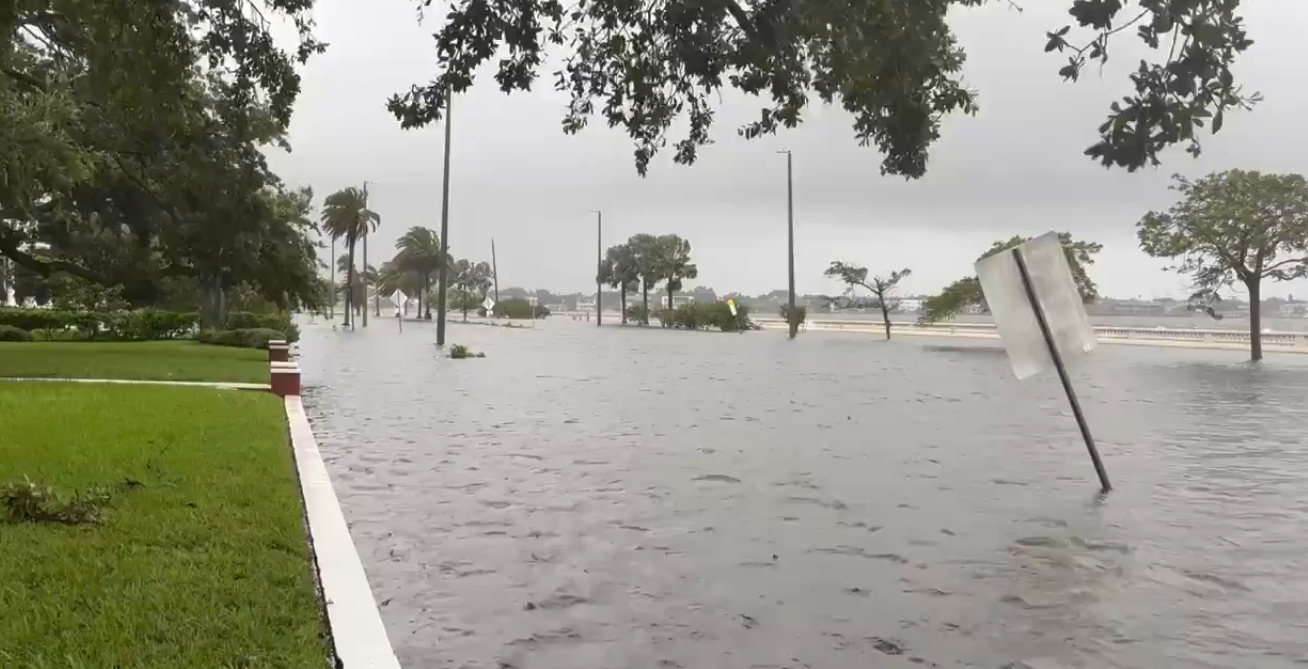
x: 1295, y: 341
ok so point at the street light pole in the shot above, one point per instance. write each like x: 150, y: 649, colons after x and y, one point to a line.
x: 445, y: 227
x: 599, y: 268
x: 792, y: 316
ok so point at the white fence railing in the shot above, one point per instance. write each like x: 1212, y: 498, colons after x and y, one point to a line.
x: 1288, y: 341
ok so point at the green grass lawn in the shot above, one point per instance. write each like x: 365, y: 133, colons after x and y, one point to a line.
x: 161, y: 360
x: 205, y: 564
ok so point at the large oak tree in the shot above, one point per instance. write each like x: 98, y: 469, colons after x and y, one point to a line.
x: 894, y: 65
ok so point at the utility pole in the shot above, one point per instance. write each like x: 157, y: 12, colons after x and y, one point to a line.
x: 599, y: 266
x: 792, y: 316
x: 495, y: 272
x: 445, y: 226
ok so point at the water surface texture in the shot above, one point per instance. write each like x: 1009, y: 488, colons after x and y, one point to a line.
x: 589, y: 498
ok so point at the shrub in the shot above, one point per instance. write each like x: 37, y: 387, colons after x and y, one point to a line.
x: 137, y: 324
x: 705, y: 315
x: 638, y: 313
x: 144, y: 324
x: 459, y: 352
x: 281, y: 321
x: 241, y: 337
x: 34, y: 319
x: 519, y: 308
x: 801, y: 312
x: 11, y: 333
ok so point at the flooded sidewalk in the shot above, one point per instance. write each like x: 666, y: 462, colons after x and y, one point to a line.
x: 616, y: 497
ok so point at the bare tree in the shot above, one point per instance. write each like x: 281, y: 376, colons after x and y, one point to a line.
x: 882, y: 287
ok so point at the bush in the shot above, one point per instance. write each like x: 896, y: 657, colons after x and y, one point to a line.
x: 34, y: 319
x: 459, y: 352
x: 705, y: 315
x: 281, y: 322
x: 801, y: 312
x: 638, y: 313
x: 137, y: 324
x: 519, y: 308
x: 240, y: 337
x: 11, y: 333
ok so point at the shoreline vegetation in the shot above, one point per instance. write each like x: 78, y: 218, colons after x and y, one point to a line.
x: 194, y: 553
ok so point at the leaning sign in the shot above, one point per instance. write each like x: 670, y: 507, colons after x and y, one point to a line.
x: 1040, y: 316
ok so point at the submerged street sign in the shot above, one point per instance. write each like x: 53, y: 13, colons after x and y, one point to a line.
x: 1055, y: 290
x: 1030, y: 291
x: 488, y: 304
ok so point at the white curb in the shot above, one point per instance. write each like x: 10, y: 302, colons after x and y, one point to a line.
x: 356, y: 625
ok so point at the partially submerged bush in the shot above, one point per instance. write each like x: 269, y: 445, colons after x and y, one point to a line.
x: 242, y: 338
x: 518, y: 307
x: 11, y: 333
x: 638, y: 313
x: 28, y: 502
x: 801, y: 313
x: 705, y: 315
x: 459, y: 352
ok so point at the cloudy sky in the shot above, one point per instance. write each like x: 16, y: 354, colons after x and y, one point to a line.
x: 1014, y: 168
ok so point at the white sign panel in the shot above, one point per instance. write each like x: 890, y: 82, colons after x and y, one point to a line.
x: 1006, y: 296
x: 399, y: 299
x: 488, y: 304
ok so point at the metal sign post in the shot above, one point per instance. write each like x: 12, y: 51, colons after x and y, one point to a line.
x: 1061, y: 368
x: 1041, y: 318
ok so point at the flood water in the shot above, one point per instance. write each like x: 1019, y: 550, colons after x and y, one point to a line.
x: 608, y: 498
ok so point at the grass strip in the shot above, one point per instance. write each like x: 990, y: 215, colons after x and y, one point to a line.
x: 200, y: 559
x: 155, y: 360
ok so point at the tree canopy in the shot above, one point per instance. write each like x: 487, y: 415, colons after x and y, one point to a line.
x: 1233, y: 227
x: 895, y: 66
x: 129, y: 147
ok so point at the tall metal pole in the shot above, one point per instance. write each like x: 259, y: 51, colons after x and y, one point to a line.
x: 445, y: 227
x: 495, y: 271
x: 1062, y: 370
x: 599, y: 268
x: 792, y: 316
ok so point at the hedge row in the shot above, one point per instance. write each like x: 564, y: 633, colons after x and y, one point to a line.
x: 241, y: 337
x: 136, y: 324
x: 705, y: 315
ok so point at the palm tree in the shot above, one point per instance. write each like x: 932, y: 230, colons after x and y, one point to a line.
x: 471, y: 281
x: 644, y: 249
x: 673, y: 262
x: 345, y: 214
x: 420, y: 252
x: 620, y: 271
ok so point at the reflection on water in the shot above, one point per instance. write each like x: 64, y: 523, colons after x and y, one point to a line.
x: 609, y: 498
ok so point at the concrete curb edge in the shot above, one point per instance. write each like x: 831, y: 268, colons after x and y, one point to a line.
x: 357, y: 630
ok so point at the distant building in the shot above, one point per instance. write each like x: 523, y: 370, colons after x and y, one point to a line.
x: 911, y: 304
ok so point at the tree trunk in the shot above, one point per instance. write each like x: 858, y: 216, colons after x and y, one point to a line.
x: 1255, y: 320
x: 349, y: 285
x: 331, y: 308
x: 426, y: 288
x: 213, y: 314
x: 623, y: 303
x: 644, y: 300
x: 885, y: 316
x: 669, y: 293
x: 365, y: 281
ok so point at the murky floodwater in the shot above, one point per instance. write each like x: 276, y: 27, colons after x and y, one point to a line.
x: 617, y: 498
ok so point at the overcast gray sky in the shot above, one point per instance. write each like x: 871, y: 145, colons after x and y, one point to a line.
x: 1014, y: 168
